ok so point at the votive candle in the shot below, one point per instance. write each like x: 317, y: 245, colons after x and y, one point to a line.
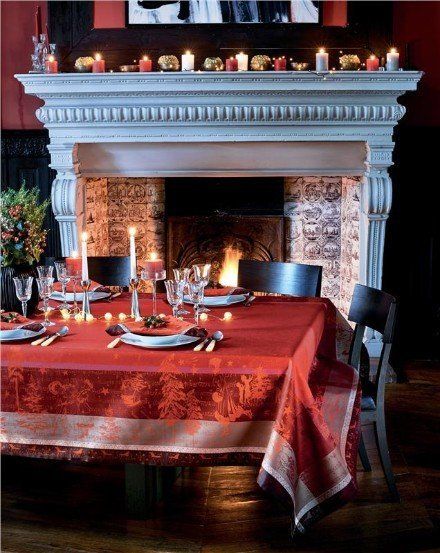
x: 372, y: 63
x: 73, y: 263
x: 231, y: 64
x: 243, y: 61
x: 84, y: 263
x: 393, y: 60
x: 188, y: 61
x: 51, y: 65
x: 153, y: 266
x: 145, y: 65
x: 98, y: 64
x: 321, y: 60
x: 133, y: 267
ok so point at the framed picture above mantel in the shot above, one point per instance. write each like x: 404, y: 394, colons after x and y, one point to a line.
x: 178, y: 12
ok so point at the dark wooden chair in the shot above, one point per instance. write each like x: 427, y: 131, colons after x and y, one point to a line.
x: 110, y: 271
x: 377, y: 310
x: 292, y: 279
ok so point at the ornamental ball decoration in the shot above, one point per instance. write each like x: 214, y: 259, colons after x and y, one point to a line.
x: 261, y: 63
x: 168, y: 63
x: 213, y: 64
x: 84, y: 64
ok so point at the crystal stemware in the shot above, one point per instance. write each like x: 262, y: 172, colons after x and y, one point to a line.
x: 45, y: 271
x: 45, y: 289
x: 202, y: 274
x: 75, y: 276
x: 23, y: 290
x: 195, y: 293
x: 182, y: 274
x: 174, y: 290
x: 64, y: 278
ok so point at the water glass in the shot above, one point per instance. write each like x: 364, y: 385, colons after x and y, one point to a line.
x: 195, y: 293
x: 64, y: 278
x: 23, y: 290
x: 182, y: 275
x: 174, y: 290
x: 45, y: 289
x: 202, y: 274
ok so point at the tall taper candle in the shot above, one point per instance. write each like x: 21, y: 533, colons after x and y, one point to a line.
x: 322, y: 60
x: 84, y: 265
x: 133, y: 267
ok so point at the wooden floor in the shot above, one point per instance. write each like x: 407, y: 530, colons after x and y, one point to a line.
x: 58, y: 507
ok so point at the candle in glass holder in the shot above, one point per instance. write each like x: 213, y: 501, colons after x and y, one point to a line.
x: 188, y: 61
x: 73, y: 263
x: 372, y: 63
x: 393, y: 60
x: 145, y: 65
x: 153, y: 266
x: 280, y: 64
x: 322, y: 60
x: 51, y: 65
x: 243, y: 61
x: 84, y: 263
x: 133, y: 267
x: 231, y: 64
x: 98, y: 64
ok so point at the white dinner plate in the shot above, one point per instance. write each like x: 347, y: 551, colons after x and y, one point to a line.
x: 19, y: 334
x: 153, y: 342
x: 93, y: 296
x: 220, y: 301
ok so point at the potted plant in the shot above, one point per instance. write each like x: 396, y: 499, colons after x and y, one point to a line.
x: 23, y: 240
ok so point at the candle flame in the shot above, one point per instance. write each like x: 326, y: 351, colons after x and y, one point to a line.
x: 372, y: 57
x: 188, y: 52
x: 153, y: 256
x: 84, y: 236
x: 145, y: 58
x: 74, y: 254
x: 98, y: 57
x: 51, y: 58
x: 321, y: 51
x: 132, y: 231
x: 393, y: 51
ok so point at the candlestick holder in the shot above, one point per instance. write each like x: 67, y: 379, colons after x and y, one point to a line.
x: 135, y: 313
x: 85, y: 285
x: 154, y: 278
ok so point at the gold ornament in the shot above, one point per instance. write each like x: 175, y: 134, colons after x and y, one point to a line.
x: 260, y: 63
x: 84, y: 65
x: 349, y: 62
x: 168, y: 63
x: 213, y: 64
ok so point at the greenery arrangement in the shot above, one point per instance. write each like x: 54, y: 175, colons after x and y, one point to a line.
x: 22, y: 235
x: 154, y: 321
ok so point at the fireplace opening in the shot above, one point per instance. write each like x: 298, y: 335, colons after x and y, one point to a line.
x: 221, y: 220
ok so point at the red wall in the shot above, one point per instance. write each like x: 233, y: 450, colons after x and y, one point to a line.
x: 18, y: 24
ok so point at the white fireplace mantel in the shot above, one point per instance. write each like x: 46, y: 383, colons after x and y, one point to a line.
x: 307, y: 123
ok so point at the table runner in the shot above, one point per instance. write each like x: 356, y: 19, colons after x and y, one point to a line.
x: 272, y: 393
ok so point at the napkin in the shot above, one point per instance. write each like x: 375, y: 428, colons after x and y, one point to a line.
x: 94, y: 287
x: 174, y: 326
x: 11, y: 321
x: 227, y: 291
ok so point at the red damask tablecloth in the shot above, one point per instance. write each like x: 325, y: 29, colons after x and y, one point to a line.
x: 273, y: 393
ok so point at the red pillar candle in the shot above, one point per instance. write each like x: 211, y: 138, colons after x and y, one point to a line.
x: 74, y: 264
x: 280, y: 64
x: 373, y: 63
x: 51, y: 65
x: 145, y: 65
x: 153, y: 266
x: 98, y: 64
x: 232, y: 64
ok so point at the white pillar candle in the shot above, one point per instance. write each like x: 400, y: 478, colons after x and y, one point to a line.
x: 393, y: 60
x: 322, y: 60
x: 243, y: 61
x: 84, y: 263
x: 188, y: 61
x: 133, y: 267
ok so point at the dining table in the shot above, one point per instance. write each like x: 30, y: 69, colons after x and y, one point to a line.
x: 276, y: 392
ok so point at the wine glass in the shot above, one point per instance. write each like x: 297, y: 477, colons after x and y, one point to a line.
x: 74, y: 275
x: 174, y: 290
x: 182, y: 274
x: 195, y: 293
x: 23, y: 290
x: 45, y: 289
x: 45, y: 271
x: 64, y: 279
x: 202, y: 273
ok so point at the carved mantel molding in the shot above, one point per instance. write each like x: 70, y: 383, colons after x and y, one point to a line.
x: 245, y: 107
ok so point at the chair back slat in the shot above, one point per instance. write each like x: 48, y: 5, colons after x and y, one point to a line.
x: 110, y: 271
x: 375, y: 309
x: 292, y: 279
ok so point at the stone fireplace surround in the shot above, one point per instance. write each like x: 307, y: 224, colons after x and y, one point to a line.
x: 334, y: 124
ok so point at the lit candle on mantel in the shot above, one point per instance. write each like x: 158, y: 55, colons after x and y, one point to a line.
x: 322, y: 60
x: 232, y: 64
x: 372, y: 63
x: 73, y: 263
x: 280, y: 64
x: 393, y: 60
x: 145, y: 65
x: 51, y: 65
x: 84, y: 263
x: 243, y: 61
x: 153, y: 266
x: 133, y: 266
x: 98, y: 64
x: 188, y: 61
